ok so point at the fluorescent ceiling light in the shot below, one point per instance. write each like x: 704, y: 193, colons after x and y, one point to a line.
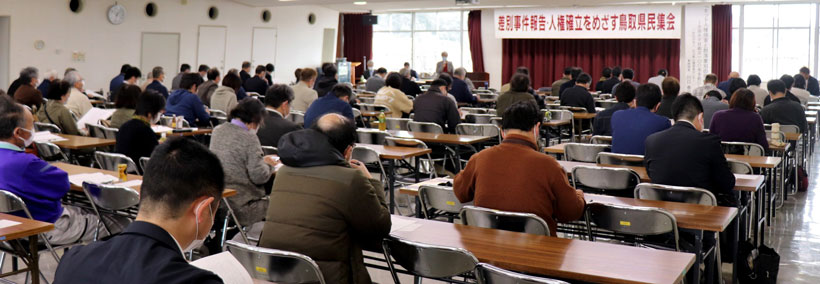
x: 360, y: 3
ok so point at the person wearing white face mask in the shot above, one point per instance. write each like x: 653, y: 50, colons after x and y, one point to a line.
x: 179, y: 197
x: 135, y: 138
x: 246, y: 168
x: 40, y: 185
x: 444, y: 66
x: 534, y: 182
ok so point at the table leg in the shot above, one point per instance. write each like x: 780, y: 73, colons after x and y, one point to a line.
x: 694, y: 273
x: 391, y: 180
x: 34, y: 266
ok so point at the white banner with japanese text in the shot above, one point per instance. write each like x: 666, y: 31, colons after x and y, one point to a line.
x: 696, y: 49
x: 646, y: 21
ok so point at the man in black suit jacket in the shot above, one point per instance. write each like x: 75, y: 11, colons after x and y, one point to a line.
x: 257, y: 83
x: 245, y: 73
x: 277, y: 102
x: 179, y: 197
x: 606, y: 87
x: 578, y: 95
x: 684, y: 156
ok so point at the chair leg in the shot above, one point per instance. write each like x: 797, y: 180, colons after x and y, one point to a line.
x: 2, y: 260
x: 417, y: 279
x: 235, y: 220
x: 50, y: 248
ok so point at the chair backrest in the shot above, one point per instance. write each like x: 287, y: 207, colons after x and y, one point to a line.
x: 398, y: 123
x: 365, y: 155
x: 270, y: 150
x: 218, y: 113
x: 252, y: 94
x: 110, y: 133
x: 740, y: 167
x: 428, y: 260
x: 367, y: 100
x: 111, y: 197
x: 356, y: 113
x: 616, y: 181
x: 404, y: 142
x: 428, y: 127
x: 276, y: 265
x: 584, y: 152
x: 111, y: 161
x: 771, y: 135
x: 478, y: 118
x: 144, y: 162
x: 10, y: 202
x: 633, y: 220
x: 788, y: 128
x: 488, y: 274
x: 42, y: 126
x: 600, y: 139
x: 440, y: 198
x: 371, y: 136
x: 742, y: 148
x: 496, y: 121
x: 607, y: 158
x: 50, y: 152
x: 502, y: 220
x: 297, y: 117
x: 95, y: 130
x: 693, y: 195
x: 473, y: 110
x: 479, y: 130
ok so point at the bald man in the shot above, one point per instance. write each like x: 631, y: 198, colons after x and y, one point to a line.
x: 724, y: 86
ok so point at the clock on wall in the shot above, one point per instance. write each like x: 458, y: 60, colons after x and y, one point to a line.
x: 116, y: 14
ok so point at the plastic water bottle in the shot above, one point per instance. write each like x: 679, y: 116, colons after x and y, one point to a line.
x: 382, y: 123
x: 548, y: 115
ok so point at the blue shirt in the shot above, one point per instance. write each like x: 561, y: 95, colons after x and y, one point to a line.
x: 461, y: 91
x: 186, y: 104
x: 324, y: 105
x: 43, y: 87
x: 724, y: 86
x: 630, y: 128
x: 116, y: 83
x: 157, y: 86
x: 241, y: 94
x: 40, y: 185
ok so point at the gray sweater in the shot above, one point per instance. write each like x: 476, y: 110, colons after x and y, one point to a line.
x: 245, y: 170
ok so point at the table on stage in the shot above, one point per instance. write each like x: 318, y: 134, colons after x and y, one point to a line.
x: 550, y: 256
x: 391, y: 154
x: 26, y: 229
x: 75, y: 142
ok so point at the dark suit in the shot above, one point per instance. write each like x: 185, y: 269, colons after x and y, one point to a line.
x: 436, y: 108
x: 565, y: 86
x: 270, y: 80
x: 578, y: 97
x: 724, y: 86
x: 606, y: 88
x: 257, y: 85
x: 410, y: 88
x: 244, y: 76
x: 274, y: 127
x: 602, y: 124
x: 813, y: 87
x: 684, y: 156
x: 143, y: 253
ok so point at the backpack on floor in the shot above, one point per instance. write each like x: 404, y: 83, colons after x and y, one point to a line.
x: 757, y: 265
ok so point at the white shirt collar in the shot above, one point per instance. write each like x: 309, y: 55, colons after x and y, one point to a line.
x: 276, y: 111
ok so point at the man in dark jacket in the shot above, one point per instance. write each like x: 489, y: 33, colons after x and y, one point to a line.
x: 205, y: 90
x: 684, y: 156
x: 117, y: 81
x: 578, y: 95
x: 325, y: 205
x: 460, y: 90
x: 781, y: 109
x: 626, y: 99
x: 245, y: 73
x: 434, y: 106
x: 408, y: 87
x: 184, y: 102
x: 574, y: 73
x: 180, y: 194
x: 606, y: 87
x: 519, y: 83
x: 327, y: 81
x: 258, y: 83
x: 336, y: 101
x: 811, y: 83
x: 277, y: 101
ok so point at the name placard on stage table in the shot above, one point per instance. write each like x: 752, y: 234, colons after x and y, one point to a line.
x: 644, y: 21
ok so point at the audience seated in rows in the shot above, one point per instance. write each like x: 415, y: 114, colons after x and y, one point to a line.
x: 578, y: 95
x: 697, y: 159
x: 179, y: 197
x: 132, y: 75
x: 609, y: 84
x: 336, y: 101
x: 630, y: 127
x: 712, y: 103
x: 574, y: 73
x: 26, y: 92
x: 55, y: 112
x: 670, y: 89
x: 725, y: 86
x: 519, y: 83
x: 135, y: 138
x: 245, y: 74
x: 799, y: 90
x: 460, y: 89
x: 126, y: 104
x: 183, y: 69
x: 303, y: 92
x: 515, y: 176
x: 627, y: 76
x: 327, y: 81
x: 157, y: 77
x: 781, y: 109
x: 184, y: 102
x: 658, y: 79
x: 760, y: 93
x: 246, y: 168
x: 434, y: 106
x: 224, y: 97
x: 709, y: 84
x: 606, y: 73
x: 117, y: 81
x: 408, y: 86
x: 602, y: 125
x: 78, y: 103
x: 50, y: 76
x: 325, y: 205
x: 739, y: 123
x: 811, y: 83
x: 257, y: 84
x: 376, y: 82
x: 278, y: 101
x: 556, y: 86
x: 207, y: 89
x: 788, y: 81
x: 391, y: 96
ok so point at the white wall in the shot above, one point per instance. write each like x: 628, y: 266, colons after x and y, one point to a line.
x: 107, y: 46
x: 491, y: 46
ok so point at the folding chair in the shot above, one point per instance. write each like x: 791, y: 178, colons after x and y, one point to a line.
x: 502, y: 220
x: 95, y: 130
x: 439, y: 201
x: 111, y: 162
x: 558, y: 114
x: 424, y: 165
x: 371, y: 136
x: 743, y: 148
x: 51, y: 153
x: 607, y: 158
x: 221, y: 116
x: 428, y: 127
x: 297, y: 117
x: 478, y: 118
x: 111, y: 198
x: 398, y: 123
x: 474, y: 110
x: 9, y: 203
x: 144, y: 163
x: 479, y: 129
x: 600, y: 139
x: 427, y: 261
x: 740, y: 167
x: 110, y: 133
x: 632, y: 221
x: 609, y: 181
x: 488, y: 274
x: 276, y: 265
x: 270, y: 150
x: 42, y: 126
x: 584, y: 152
x: 370, y: 156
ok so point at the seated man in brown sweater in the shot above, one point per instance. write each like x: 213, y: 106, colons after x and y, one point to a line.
x: 514, y: 176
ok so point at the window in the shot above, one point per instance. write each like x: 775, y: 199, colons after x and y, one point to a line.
x: 773, y: 39
x: 419, y: 38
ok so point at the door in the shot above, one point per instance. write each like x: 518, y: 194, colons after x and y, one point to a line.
x: 329, y: 45
x: 160, y: 49
x: 211, y: 47
x: 263, y: 49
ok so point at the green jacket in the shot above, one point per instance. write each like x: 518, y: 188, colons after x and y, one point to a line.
x: 507, y: 99
x: 58, y: 114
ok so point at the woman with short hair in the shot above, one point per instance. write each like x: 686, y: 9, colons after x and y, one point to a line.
x: 126, y: 104
x: 740, y: 123
x: 55, y: 111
